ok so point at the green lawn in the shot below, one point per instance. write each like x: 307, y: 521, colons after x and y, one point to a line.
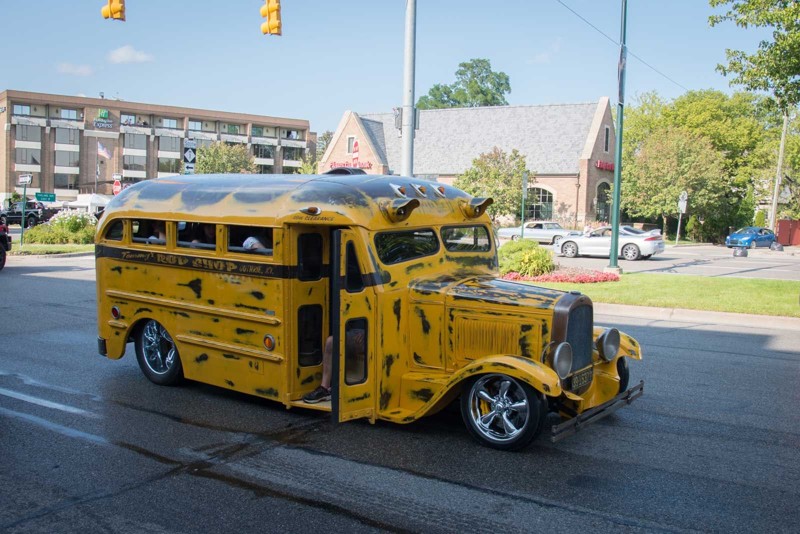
x: 35, y: 249
x: 736, y: 295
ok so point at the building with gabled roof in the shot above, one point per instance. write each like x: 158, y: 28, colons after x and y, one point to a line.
x: 568, y: 147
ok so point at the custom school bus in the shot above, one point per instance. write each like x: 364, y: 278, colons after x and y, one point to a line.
x: 239, y: 281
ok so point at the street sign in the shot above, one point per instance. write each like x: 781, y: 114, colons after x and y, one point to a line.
x: 189, y: 155
x: 117, y: 187
x: 46, y: 197
x: 25, y: 179
x: 683, y: 196
x: 682, y: 206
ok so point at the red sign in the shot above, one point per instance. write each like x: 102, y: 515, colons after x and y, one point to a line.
x: 604, y: 165
x: 117, y: 187
x: 355, y: 163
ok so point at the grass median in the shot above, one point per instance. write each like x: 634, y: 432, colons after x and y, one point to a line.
x: 38, y: 250
x: 735, y: 295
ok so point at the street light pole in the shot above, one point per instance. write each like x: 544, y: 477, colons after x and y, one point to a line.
x: 773, y: 215
x: 407, y: 121
x: 623, y: 53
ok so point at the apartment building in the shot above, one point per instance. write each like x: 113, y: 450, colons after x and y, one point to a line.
x: 72, y: 145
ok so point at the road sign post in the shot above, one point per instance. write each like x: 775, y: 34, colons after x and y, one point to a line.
x: 24, y: 180
x: 682, y: 199
x: 524, y: 196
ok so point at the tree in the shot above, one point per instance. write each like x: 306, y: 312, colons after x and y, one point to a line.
x: 309, y: 165
x: 670, y: 161
x: 220, y: 158
x: 476, y: 85
x: 496, y: 174
x: 322, y: 143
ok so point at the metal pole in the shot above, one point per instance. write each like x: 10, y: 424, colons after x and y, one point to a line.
x: 623, y: 53
x: 524, y: 196
x: 22, y: 220
x: 407, y: 124
x: 773, y: 216
x: 678, y: 234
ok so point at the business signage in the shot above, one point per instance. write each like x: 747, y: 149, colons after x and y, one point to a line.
x: 604, y: 165
x: 102, y: 114
x: 353, y: 164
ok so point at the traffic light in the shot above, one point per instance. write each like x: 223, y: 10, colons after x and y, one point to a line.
x: 271, y: 10
x: 114, y: 10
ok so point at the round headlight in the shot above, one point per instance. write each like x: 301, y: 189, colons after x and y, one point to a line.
x: 562, y: 360
x: 608, y: 344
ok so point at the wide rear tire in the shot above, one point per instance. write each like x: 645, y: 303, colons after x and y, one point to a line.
x: 631, y: 252
x: 157, y: 354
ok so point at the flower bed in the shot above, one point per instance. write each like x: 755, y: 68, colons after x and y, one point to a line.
x: 568, y: 275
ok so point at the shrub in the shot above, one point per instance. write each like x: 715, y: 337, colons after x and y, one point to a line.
x: 66, y: 227
x: 761, y: 219
x: 72, y: 221
x: 693, y: 228
x: 525, y: 257
x: 570, y: 275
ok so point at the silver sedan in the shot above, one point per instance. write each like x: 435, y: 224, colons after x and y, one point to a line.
x: 598, y: 243
x: 541, y: 231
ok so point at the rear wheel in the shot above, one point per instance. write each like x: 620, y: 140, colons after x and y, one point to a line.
x: 502, y: 412
x: 157, y: 354
x: 624, y: 374
x: 514, y: 237
x: 753, y: 244
x: 31, y: 221
x: 555, y: 238
x: 631, y: 252
x: 569, y: 249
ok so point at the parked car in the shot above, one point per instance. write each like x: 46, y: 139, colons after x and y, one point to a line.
x: 598, y: 243
x: 5, y: 244
x: 751, y: 237
x: 630, y: 230
x: 541, y: 231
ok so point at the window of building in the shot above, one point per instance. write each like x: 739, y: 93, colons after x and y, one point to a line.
x: 68, y: 136
x: 127, y: 119
x: 170, y: 123
x: 28, y: 156
x: 607, y: 139
x: 292, y: 153
x: 257, y: 131
x: 265, y: 169
x: 203, y: 143
x: 351, y: 143
x: 541, y: 204
x: 169, y: 165
x: 28, y: 133
x: 67, y: 159
x: 195, y: 126
x: 134, y: 163
x: 291, y: 134
x: 264, y: 151
x: 65, y: 181
x: 69, y: 114
x: 21, y: 109
x: 169, y: 144
x: 234, y: 129
x: 603, y: 208
x: 137, y: 141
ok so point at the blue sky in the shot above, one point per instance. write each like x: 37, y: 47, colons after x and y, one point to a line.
x: 337, y: 55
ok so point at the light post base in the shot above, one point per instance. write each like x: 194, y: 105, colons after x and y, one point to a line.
x: 613, y: 270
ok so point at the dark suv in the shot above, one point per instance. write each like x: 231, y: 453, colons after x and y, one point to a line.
x: 5, y: 244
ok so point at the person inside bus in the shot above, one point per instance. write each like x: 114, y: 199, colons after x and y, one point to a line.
x: 206, y: 235
x: 355, y: 345
x: 253, y: 243
x: 159, y: 236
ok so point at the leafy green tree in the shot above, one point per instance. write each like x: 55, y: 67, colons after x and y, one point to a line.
x: 309, y: 165
x: 672, y: 160
x: 322, y: 143
x: 220, y: 158
x: 476, y: 85
x: 496, y: 174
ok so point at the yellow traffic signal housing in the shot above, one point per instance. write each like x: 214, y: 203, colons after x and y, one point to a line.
x: 271, y: 11
x: 114, y: 10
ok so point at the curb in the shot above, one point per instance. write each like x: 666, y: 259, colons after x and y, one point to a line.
x: 680, y: 315
x: 64, y: 255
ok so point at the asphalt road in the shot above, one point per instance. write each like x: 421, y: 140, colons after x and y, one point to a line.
x: 89, y: 445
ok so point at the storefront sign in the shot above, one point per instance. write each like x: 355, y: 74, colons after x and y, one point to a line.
x: 353, y: 164
x: 102, y: 114
x: 103, y: 124
x: 604, y: 165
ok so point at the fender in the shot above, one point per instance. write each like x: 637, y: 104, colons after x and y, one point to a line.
x: 629, y: 347
x: 535, y: 374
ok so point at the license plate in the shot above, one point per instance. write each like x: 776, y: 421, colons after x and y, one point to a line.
x: 582, y: 378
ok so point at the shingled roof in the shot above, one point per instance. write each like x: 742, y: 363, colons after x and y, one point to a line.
x: 552, y: 137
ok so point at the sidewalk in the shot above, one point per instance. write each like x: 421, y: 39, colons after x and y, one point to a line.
x: 680, y: 315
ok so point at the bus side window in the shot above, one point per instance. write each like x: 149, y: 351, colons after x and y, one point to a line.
x: 250, y: 240
x: 309, y: 257
x: 149, y: 231
x: 309, y: 335
x: 353, y: 280
x: 114, y: 231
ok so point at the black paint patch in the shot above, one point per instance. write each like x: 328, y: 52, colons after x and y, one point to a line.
x: 211, y: 302
x: 181, y: 314
x: 231, y: 356
x: 201, y: 334
x: 396, y: 309
x: 242, y: 331
x: 526, y: 327
x: 415, y: 267
x: 357, y: 399
x: 307, y: 380
x: 386, y: 396
x: 117, y: 269
x: 195, y: 285
x: 260, y: 310
x: 202, y: 358
x: 369, y: 306
x: 142, y: 310
x: 230, y: 383
x: 271, y: 392
x: 257, y: 294
x: 418, y: 359
x: 215, y: 319
x: 502, y: 365
x: 388, y: 361
x: 424, y: 394
x: 426, y: 325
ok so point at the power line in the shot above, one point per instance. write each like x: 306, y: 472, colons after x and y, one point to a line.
x: 601, y: 32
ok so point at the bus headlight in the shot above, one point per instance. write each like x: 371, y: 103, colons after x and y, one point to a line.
x: 608, y: 344
x: 562, y: 360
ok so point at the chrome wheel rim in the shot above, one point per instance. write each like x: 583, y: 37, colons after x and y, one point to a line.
x: 630, y: 253
x: 159, y: 350
x: 570, y: 250
x: 499, y: 408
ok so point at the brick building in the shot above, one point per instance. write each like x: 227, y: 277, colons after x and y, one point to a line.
x: 72, y: 145
x: 569, y: 148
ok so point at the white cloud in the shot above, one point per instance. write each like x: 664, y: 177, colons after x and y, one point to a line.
x: 75, y: 70
x: 128, y: 54
x: 547, y: 55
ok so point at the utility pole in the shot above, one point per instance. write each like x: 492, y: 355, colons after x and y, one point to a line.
x: 408, y: 116
x: 613, y: 265
x: 773, y: 214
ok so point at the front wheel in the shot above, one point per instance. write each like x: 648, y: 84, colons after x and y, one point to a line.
x: 569, y: 249
x: 753, y: 244
x: 624, y: 374
x: 31, y: 222
x: 514, y: 237
x: 631, y: 252
x: 501, y: 412
x: 157, y: 354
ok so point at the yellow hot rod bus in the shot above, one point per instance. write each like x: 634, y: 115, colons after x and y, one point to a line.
x: 240, y: 281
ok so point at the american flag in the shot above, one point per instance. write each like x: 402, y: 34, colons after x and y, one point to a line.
x: 103, y: 151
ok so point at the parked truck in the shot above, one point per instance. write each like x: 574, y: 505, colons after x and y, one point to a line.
x: 35, y: 213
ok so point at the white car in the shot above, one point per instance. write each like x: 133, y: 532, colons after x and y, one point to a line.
x: 541, y: 231
x: 598, y: 243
